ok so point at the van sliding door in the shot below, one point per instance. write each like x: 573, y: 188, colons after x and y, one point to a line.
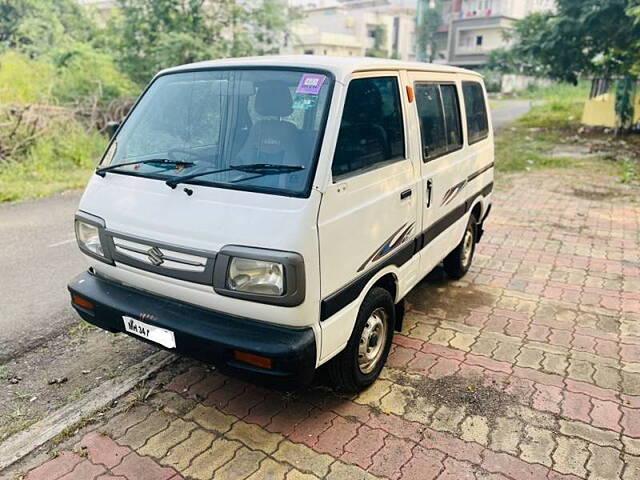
x: 444, y: 164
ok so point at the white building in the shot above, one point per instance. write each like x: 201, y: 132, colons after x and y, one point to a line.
x: 350, y: 28
x: 473, y: 28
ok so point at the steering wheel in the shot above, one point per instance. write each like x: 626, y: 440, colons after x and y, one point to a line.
x: 191, y: 153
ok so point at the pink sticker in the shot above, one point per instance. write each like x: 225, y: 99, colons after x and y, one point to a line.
x: 310, y: 83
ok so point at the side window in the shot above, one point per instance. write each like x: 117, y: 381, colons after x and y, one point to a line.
x: 452, y: 116
x: 371, y: 131
x: 477, y: 123
x: 439, y: 114
x: 432, y: 123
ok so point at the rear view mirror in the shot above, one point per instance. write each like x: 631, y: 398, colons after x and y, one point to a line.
x: 112, y: 128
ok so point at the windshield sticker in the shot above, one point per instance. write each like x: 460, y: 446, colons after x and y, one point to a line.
x: 310, y: 83
x: 305, y: 102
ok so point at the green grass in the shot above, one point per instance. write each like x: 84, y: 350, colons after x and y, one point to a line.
x: 555, y: 114
x: 60, y: 160
x: 522, y: 150
x: 557, y: 91
x: 529, y: 144
x: 16, y: 421
x: 81, y: 328
x: 629, y: 171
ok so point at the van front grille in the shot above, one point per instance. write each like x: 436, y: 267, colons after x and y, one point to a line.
x: 169, y: 260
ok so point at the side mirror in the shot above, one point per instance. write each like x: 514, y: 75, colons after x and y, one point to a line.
x: 111, y: 128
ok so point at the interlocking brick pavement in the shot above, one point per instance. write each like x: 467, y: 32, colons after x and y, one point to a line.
x: 528, y: 368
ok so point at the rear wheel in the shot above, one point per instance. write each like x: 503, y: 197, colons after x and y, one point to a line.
x: 360, y: 363
x: 457, y: 263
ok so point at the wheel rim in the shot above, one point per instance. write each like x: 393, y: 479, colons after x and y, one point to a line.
x: 467, y: 247
x: 372, y: 341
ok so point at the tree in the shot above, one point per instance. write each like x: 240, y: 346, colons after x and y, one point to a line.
x: 155, y: 34
x: 592, y: 38
x: 428, y: 21
x: 379, y: 34
x: 634, y: 11
x: 84, y: 75
x: 34, y: 27
x: 523, y: 57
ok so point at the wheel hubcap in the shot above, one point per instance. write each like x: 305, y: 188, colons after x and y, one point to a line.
x: 467, y: 247
x: 372, y: 341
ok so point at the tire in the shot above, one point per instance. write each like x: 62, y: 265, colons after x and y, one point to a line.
x: 351, y: 372
x: 457, y: 263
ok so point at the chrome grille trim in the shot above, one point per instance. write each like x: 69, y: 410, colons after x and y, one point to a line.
x: 164, y: 259
x: 171, y: 259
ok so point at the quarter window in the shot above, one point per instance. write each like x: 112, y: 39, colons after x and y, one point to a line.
x: 477, y: 122
x: 371, y: 132
x: 453, y: 122
x: 439, y: 113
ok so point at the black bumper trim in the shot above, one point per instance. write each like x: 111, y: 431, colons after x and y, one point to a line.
x: 203, y: 334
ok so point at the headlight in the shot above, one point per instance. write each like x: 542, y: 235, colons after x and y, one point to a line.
x: 255, y: 276
x: 88, y: 237
x: 260, y: 275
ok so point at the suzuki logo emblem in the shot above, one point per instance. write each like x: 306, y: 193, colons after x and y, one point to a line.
x: 155, y: 256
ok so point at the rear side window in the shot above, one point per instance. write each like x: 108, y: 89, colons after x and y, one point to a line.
x: 371, y: 131
x: 477, y: 122
x: 439, y: 114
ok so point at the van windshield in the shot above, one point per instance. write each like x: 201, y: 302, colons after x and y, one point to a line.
x: 227, y: 125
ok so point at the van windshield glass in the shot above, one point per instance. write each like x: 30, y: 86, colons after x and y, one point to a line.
x: 216, y: 122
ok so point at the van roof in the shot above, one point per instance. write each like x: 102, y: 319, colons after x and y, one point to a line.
x: 339, y: 66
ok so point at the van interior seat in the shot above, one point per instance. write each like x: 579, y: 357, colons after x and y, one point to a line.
x: 272, y: 139
x: 361, y: 140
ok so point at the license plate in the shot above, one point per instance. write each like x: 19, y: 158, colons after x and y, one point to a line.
x: 155, y: 334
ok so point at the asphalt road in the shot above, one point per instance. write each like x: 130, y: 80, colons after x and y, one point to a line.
x: 38, y: 256
x: 506, y: 111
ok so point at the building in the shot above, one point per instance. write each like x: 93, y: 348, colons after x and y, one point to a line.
x: 355, y: 28
x: 473, y: 28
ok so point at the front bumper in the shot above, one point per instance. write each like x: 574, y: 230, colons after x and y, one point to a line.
x: 203, y: 334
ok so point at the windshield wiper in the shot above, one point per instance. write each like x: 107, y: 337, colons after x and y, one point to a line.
x: 163, y: 161
x: 259, y: 168
x: 266, y: 168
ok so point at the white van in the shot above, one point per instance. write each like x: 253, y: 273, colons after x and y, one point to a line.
x: 270, y: 214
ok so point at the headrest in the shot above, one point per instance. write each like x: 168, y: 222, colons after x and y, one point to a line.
x: 363, y: 103
x: 273, y: 99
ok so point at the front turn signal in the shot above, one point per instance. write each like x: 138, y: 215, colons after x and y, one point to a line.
x: 252, y: 359
x: 82, y: 302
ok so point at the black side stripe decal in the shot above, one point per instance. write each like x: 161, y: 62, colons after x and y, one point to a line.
x: 456, y: 189
x: 347, y: 294
x: 480, y: 172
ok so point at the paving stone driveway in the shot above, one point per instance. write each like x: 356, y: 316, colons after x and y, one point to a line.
x: 529, y: 368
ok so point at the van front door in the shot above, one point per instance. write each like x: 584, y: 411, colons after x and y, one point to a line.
x: 368, y: 214
x: 443, y: 166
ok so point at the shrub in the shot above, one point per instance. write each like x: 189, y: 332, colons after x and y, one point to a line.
x: 84, y: 74
x: 23, y: 80
x: 60, y: 159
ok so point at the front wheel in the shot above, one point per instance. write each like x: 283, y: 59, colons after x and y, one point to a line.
x: 457, y: 263
x: 360, y: 363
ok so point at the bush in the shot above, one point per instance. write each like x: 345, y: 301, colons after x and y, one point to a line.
x: 23, y: 80
x: 84, y: 74
x: 60, y: 159
x: 561, y: 105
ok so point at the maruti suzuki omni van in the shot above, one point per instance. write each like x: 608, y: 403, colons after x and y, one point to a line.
x: 270, y: 214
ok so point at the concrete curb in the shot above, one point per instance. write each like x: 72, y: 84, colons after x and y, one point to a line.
x: 23, y: 443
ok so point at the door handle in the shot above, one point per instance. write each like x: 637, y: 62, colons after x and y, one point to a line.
x: 429, y: 192
x: 406, y: 194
